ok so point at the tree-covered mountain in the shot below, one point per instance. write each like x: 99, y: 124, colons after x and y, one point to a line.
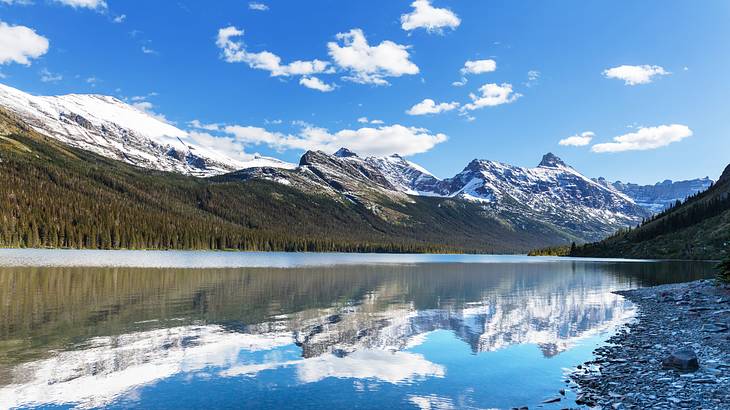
x: 53, y: 195
x: 337, y: 201
x: 698, y: 228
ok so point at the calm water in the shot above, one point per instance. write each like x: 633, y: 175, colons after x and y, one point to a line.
x: 231, y: 330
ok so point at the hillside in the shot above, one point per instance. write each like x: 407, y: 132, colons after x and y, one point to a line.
x: 54, y: 195
x: 698, y: 228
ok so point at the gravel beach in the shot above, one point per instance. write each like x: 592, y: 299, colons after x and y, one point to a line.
x: 676, y: 354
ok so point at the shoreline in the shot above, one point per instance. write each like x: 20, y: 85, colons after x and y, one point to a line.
x: 631, y: 371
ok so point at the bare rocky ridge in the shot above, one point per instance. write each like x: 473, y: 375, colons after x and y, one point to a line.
x: 675, y: 355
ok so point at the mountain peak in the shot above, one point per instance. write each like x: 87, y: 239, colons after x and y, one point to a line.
x: 725, y: 175
x: 551, y: 160
x: 344, y: 153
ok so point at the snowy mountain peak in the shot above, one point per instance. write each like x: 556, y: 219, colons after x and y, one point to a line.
x: 344, y: 153
x: 112, y: 128
x: 551, y: 160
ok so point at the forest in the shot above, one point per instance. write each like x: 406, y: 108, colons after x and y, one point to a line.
x: 55, y: 196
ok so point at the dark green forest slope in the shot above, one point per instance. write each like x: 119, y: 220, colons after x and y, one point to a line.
x: 698, y: 228
x: 52, y: 195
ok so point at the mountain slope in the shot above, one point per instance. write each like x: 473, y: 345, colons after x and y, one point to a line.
x: 699, y: 228
x: 552, y: 195
x: 55, y: 195
x: 553, y: 192
x: 114, y: 129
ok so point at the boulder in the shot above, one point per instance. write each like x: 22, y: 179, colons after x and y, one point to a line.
x: 684, y: 359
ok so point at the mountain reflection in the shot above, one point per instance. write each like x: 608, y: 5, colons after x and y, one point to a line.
x: 87, y: 336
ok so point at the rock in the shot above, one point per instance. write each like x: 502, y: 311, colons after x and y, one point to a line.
x: 552, y: 400
x: 714, y: 328
x: 684, y: 359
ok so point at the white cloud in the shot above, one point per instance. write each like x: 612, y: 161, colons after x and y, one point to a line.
x: 20, y: 44
x: 316, y: 84
x: 646, y: 138
x: 429, y: 106
x: 49, y: 77
x: 209, y: 127
x: 235, y: 52
x: 258, y: 6
x: 365, y: 120
x: 460, y: 83
x: 491, y: 95
x: 433, y: 19
x: 18, y: 2
x: 379, y: 141
x: 370, y: 64
x: 479, y: 66
x: 120, y: 18
x: 221, y: 144
x: 533, y: 77
x: 148, y: 108
x: 635, y: 74
x: 579, y: 140
x: 84, y: 4
x: 147, y: 50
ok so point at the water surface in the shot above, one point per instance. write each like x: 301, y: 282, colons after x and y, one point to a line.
x: 206, y: 329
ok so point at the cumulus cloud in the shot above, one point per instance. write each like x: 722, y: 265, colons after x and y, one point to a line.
x: 148, y: 108
x: 234, y: 51
x: 120, y: 18
x: 316, y: 84
x: 479, y: 66
x: 258, y: 6
x: 379, y: 141
x: 491, y: 95
x: 635, y: 74
x: 646, y: 138
x: 579, y: 140
x: 201, y: 126
x: 370, y: 64
x: 429, y: 106
x: 84, y: 4
x: 425, y: 16
x: 49, y: 77
x: 365, y: 120
x: 20, y: 44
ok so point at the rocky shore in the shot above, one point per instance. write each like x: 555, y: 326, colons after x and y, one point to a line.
x: 676, y: 354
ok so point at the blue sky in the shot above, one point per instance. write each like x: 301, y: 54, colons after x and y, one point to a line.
x: 653, y: 73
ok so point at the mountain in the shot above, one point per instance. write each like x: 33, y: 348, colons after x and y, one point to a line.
x: 117, y: 130
x: 698, y: 228
x: 56, y: 195
x: 553, y: 194
x: 552, y: 201
x: 661, y: 195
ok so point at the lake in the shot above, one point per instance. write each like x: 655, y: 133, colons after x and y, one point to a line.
x: 178, y: 330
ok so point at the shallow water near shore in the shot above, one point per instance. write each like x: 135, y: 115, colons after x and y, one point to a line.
x: 207, y: 329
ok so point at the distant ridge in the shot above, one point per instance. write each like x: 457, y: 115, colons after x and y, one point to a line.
x: 698, y: 228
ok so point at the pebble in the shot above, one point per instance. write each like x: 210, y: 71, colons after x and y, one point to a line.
x: 684, y: 321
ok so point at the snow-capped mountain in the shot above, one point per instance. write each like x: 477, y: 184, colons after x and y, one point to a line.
x: 553, y: 192
x: 110, y: 127
x: 661, y: 195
